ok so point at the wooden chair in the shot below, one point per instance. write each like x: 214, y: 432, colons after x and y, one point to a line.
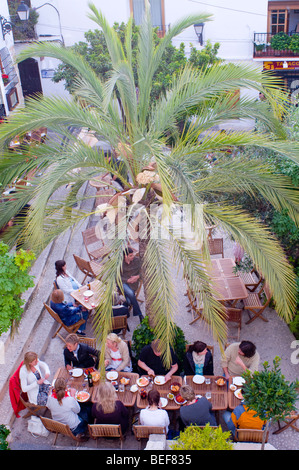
x: 216, y: 246
x: 32, y: 409
x: 58, y: 428
x: 93, y: 244
x: 250, y: 435
x: 255, y: 304
x: 89, y: 268
x: 251, y: 282
x: 143, y: 432
x: 234, y: 315
x: 92, y: 342
x: 290, y: 421
x: 106, y: 430
x: 120, y: 323
x: 70, y: 329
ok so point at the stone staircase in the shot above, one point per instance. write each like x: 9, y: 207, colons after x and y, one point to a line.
x: 37, y: 326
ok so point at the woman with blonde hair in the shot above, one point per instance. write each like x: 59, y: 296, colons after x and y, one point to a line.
x: 33, y: 379
x: 117, y: 356
x: 108, y: 409
x: 66, y: 410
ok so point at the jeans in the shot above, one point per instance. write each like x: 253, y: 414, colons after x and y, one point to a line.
x: 228, y: 421
x: 131, y: 299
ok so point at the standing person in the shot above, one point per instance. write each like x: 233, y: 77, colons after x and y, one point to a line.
x: 150, y: 361
x: 79, y: 355
x: 66, y: 410
x: 33, y: 379
x: 153, y: 415
x: 130, y: 276
x: 117, y: 356
x: 197, y: 411
x: 65, y: 281
x: 68, y: 313
x: 198, y: 360
x: 108, y: 409
x: 238, y: 357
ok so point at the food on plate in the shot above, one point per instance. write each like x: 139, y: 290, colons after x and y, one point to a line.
x: 95, y: 376
x: 170, y: 396
x: 159, y: 380
x: 112, y: 375
x: 142, y: 382
x: 220, y: 382
x: 238, y: 394
x: 124, y: 381
x: 82, y: 396
x: 89, y: 370
x: 233, y: 387
x: 180, y: 399
x: 143, y: 393
x: 134, y: 388
x: 175, y: 388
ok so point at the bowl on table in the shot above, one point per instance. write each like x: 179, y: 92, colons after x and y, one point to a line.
x: 220, y: 381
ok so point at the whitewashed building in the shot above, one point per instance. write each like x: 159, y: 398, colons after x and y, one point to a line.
x: 10, y: 88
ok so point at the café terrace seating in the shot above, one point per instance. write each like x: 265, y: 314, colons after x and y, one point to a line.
x: 143, y: 432
x: 69, y: 329
x: 106, y: 430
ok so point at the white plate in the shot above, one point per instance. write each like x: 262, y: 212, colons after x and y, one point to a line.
x: 236, y: 393
x: 112, y: 375
x: 134, y: 388
x: 239, y: 381
x: 139, y: 382
x: 159, y: 380
x: 163, y: 401
x: 198, y: 396
x: 198, y: 379
x: 88, y: 293
x: 77, y: 372
x: 178, y: 403
x: 86, y: 399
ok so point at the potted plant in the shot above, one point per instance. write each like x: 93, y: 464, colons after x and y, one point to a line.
x: 280, y: 41
x: 207, y: 438
x: 294, y: 43
x: 5, y: 78
x: 14, y: 281
x: 269, y: 394
x: 4, y: 433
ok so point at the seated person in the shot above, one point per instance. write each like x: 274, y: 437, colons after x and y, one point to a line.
x: 108, y: 409
x: 153, y: 415
x: 117, y: 356
x: 130, y: 276
x: 66, y: 410
x: 33, y: 378
x: 65, y: 281
x: 238, y: 357
x: 198, y: 360
x: 150, y: 361
x: 79, y: 355
x: 242, y: 417
x: 119, y: 305
x: 68, y: 313
x: 197, y: 411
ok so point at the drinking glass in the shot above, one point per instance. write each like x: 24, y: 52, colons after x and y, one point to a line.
x: 121, y: 388
x: 208, y: 395
x: 208, y: 381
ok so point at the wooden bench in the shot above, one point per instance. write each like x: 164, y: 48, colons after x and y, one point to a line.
x: 251, y: 279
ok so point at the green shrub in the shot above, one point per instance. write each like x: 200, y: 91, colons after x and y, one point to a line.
x: 280, y: 41
x: 4, y: 433
x: 207, y: 438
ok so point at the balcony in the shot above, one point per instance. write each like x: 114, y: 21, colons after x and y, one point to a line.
x: 267, y: 45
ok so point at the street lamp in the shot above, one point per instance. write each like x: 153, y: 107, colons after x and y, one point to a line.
x: 199, y: 30
x: 23, y: 12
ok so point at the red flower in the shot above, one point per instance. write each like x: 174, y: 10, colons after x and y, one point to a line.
x: 4, y: 75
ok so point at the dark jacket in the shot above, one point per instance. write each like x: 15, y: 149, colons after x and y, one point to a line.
x: 189, y: 366
x: 68, y: 313
x: 86, y: 357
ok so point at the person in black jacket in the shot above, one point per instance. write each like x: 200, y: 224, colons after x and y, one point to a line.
x: 79, y: 355
x: 198, y: 360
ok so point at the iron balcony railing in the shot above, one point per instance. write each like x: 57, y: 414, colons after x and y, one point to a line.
x: 263, y: 45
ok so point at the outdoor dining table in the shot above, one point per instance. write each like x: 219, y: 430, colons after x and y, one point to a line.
x: 219, y: 394
x: 229, y: 289
x: 88, y: 302
x: 127, y: 397
x: 164, y: 390
x: 221, y: 267
x: 78, y: 383
x: 233, y: 401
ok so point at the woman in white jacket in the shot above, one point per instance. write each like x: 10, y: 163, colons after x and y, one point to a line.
x: 33, y: 378
x: 65, y: 281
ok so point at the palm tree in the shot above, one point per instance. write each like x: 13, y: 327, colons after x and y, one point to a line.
x: 163, y: 177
